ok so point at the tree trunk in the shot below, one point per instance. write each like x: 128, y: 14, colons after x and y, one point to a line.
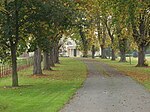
x: 52, y: 58
x: 141, y: 37
x: 57, y: 57
x: 56, y: 54
x: 122, y: 48
x: 37, y: 70
x: 104, y: 42
x: 102, y: 49
x: 141, y: 56
x: 46, y: 61
x: 93, y: 51
x: 113, y: 57
x: 122, y: 56
x: 85, y: 52
x: 84, y: 43
x: 14, y: 47
x: 14, y: 66
x: 103, y: 52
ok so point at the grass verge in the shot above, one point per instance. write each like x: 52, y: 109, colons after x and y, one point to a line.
x: 43, y: 94
x: 140, y: 74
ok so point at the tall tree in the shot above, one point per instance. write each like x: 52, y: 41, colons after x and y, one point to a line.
x: 139, y: 17
x: 10, y: 37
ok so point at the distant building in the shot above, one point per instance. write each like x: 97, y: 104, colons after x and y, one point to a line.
x: 69, y: 48
x: 25, y: 55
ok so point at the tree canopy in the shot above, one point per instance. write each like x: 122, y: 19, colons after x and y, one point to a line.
x: 38, y: 26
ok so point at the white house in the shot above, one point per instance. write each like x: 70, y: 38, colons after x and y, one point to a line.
x: 69, y: 48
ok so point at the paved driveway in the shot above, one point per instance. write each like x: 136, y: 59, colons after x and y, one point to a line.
x: 107, y: 90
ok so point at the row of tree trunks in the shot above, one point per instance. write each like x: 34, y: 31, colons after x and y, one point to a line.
x: 50, y: 58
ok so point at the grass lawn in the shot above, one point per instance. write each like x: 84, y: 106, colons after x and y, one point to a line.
x: 141, y: 75
x: 43, y: 94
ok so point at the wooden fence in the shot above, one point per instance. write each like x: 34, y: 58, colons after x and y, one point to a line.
x: 6, y: 70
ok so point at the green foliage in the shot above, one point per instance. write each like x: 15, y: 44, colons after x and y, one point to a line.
x: 8, y: 28
x: 42, y: 20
